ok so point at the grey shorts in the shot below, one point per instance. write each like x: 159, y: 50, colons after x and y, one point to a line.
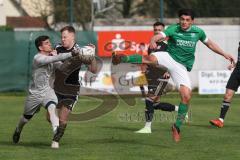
x: 35, y: 100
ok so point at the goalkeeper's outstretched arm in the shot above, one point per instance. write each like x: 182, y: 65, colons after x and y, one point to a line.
x: 41, y: 60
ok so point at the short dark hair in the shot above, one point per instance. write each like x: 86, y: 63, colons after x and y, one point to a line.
x: 39, y: 40
x: 158, y: 24
x: 68, y: 28
x: 187, y: 12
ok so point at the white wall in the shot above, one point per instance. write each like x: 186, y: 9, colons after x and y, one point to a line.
x: 227, y: 37
x: 7, y: 9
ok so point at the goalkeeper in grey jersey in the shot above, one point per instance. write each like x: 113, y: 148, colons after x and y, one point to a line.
x: 40, y: 91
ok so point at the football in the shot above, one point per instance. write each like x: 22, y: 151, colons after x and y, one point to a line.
x: 88, y: 50
x: 87, y: 54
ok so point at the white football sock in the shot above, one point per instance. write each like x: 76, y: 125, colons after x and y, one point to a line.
x: 221, y: 120
x: 53, y: 117
x: 176, y: 108
x: 148, y: 124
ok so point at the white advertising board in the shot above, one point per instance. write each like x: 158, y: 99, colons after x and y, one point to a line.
x: 105, y: 82
x: 213, y: 81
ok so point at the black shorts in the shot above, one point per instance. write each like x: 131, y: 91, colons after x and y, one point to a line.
x: 156, y: 82
x: 67, y: 100
x: 234, y: 80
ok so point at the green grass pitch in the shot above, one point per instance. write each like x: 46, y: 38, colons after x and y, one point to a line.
x: 111, y: 136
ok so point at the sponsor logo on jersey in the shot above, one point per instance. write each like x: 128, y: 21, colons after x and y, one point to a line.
x: 185, y: 43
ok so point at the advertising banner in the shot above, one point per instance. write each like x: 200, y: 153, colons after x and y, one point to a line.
x: 117, y: 83
x: 127, y: 42
x: 213, y: 81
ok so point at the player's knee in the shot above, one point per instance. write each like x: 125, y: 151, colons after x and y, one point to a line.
x: 51, y: 109
x: 152, y: 58
x: 48, y: 117
x: 153, y: 97
x: 51, y: 105
x: 62, y: 120
x: 150, y: 96
x: 186, y: 98
x: 185, y: 93
x: 28, y: 117
x: 227, y: 97
x: 63, y: 115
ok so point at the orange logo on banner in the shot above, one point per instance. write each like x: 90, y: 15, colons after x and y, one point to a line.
x: 108, y: 80
x: 127, y: 42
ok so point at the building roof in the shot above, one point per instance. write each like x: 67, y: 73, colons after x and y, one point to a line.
x: 26, y: 22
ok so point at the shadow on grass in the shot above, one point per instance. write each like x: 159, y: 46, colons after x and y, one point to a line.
x: 26, y: 144
x: 208, y: 125
x: 134, y: 129
x: 128, y: 142
x: 120, y: 128
x: 199, y: 125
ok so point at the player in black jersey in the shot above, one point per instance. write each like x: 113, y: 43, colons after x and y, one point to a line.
x: 232, y: 86
x: 162, y: 45
x: 66, y: 84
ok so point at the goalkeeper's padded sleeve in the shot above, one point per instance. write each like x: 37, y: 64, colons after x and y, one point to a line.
x: 41, y: 60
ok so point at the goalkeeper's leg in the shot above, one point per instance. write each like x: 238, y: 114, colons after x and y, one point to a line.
x: 31, y: 107
x: 22, y: 121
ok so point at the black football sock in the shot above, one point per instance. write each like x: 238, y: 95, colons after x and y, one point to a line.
x: 164, y: 106
x: 224, y: 109
x: 149, y: 110
x: 60, y: 131
x: 143, y: 91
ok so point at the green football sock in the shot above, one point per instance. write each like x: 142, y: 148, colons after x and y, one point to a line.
x: 135, y: 58
x: 182, y: 111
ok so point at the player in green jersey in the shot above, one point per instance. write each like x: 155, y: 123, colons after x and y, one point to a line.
x: 179, y: 58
